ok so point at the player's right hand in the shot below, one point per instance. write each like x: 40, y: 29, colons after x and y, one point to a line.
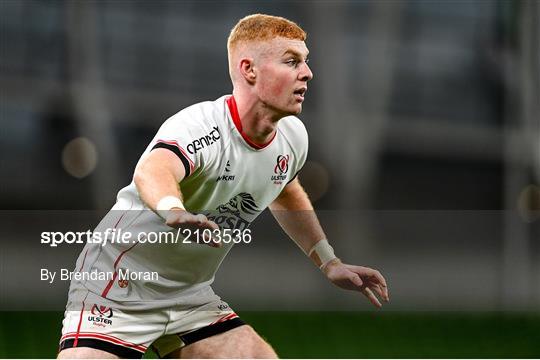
x: 182, y: 219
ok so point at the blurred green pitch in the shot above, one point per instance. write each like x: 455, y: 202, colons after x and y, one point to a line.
x: 334, y: 334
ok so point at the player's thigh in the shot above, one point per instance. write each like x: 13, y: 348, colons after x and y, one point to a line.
x: 240, y: 342
x: 85, y: 353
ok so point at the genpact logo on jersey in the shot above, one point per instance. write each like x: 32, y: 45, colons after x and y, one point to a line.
x: 204, y: 141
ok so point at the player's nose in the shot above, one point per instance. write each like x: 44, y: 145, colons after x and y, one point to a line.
x: 305, y: 73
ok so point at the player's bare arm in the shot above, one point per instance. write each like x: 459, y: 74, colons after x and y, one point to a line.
x: 157, y: 177
x: 294, y: 212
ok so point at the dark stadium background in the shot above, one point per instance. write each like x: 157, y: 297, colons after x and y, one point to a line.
x: 424, y: 162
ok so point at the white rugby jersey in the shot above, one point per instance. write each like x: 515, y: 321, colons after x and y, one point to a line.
x: 228, y: 178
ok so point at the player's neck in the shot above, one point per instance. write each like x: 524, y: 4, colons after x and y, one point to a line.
x: 258, y: 123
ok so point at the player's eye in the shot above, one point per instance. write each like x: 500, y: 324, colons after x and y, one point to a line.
x: 292, y: 62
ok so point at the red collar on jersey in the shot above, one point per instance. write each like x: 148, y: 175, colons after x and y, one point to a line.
x: 231, y: 103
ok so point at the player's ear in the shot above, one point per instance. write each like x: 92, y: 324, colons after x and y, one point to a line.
x: 247, y: 70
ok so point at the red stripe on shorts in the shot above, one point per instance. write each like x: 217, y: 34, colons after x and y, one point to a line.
x: 111, y: 282
x: 109, y: 338
x: 84, y: 259
x: 225, y: 318
x: 80, y: 322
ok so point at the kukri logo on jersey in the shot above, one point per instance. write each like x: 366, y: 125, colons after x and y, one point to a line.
x: 227, y: 176
x: 234, y: 213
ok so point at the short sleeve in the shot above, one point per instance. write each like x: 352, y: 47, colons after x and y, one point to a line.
x: 188, y: 137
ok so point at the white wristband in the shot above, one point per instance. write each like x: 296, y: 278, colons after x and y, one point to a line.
x: 167, y: 203
x: 324, y: 251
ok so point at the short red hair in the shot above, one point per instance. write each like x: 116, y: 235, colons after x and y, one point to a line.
x: 261, y: 27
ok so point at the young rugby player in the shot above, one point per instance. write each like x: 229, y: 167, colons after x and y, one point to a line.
x: 214, y: 165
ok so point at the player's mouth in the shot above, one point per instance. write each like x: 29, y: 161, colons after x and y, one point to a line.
x: 300, y: 93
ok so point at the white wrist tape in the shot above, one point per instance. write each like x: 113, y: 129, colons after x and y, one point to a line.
x: 167, y: 203
x: 324, y: 251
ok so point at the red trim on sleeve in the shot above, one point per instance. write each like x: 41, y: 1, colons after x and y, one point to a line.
x: 175, y: 143
x: 231, y: 103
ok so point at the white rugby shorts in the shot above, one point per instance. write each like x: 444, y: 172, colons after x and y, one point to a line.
x: 128, y: 334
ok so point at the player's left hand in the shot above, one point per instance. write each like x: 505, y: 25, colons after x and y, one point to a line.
x: 351, y: 277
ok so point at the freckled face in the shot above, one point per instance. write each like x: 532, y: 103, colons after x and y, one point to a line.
x: 282, y: 75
